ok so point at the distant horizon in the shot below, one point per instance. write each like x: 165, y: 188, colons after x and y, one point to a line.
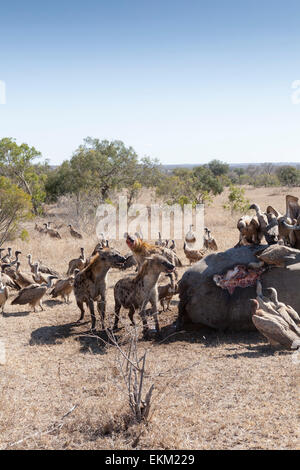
x: 233, y: 164
x: 185, y: 165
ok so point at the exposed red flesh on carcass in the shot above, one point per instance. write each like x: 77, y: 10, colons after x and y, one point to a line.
x: 240, y: 276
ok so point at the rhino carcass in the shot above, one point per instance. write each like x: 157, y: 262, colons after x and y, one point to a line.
x: 202, y: 301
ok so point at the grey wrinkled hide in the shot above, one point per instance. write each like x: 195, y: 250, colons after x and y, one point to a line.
x: 201, y: 301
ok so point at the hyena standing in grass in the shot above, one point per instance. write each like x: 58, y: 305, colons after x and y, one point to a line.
x: 90, y: 283
x: 135, y: 293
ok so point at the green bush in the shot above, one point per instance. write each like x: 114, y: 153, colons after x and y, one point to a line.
x: 236, y: 200
x: 15, y: 207
x: 24, y: 235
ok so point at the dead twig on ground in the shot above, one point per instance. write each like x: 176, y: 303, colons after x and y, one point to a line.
x: 53, y: 427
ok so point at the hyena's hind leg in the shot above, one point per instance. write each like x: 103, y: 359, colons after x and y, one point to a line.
x: 130, y: 314
x: 81, y: 308
x: 101, y: 307
x: 118, y: 306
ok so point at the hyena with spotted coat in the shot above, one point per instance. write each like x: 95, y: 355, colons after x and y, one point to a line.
x: 90, y: 283
x: 135, y: 293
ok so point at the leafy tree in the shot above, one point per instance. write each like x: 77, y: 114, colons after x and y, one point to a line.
x: 251, y: 172
x: 218, y: 168
x: 103, y: 165
x: 235, y: 176
x: 266, y: 180
x: 15, y: 207
x: 288, y: 175
x: 17, y: 163
x: 236, y: 200
x: 99, y: 168
x: 133, y: 191
x: 190, y: 186
x: 267, y: 168
x: 175, y: 189
x: 145, y: 174
x: 62, y: 180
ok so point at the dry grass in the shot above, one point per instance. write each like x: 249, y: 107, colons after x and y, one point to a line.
x: 240, y: 395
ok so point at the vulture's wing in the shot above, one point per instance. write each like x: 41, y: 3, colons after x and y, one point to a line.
x: 29, y: 294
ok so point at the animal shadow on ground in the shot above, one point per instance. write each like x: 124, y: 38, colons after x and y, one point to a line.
x: 53, y: 334
x: 95, y: 343
x: 251, y: 343
x: 53, y: 303
x: 260, y: 350
x: 16, y: 314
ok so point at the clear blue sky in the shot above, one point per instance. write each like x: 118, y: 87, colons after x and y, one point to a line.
x: 183, y: 81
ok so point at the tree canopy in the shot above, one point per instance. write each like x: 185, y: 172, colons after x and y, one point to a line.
x: 15, y: 207
x: 288, y: 175
x: 17, y: 163
x: 185, y: 186
x: 102, y: 166
x: 99, y: 169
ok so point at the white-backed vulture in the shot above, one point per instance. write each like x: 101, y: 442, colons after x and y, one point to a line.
x: 33, y: 294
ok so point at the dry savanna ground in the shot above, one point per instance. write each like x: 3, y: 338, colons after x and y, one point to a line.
x: 61, y: 388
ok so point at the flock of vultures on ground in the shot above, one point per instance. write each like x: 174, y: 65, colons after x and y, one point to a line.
x: 252, y: 285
